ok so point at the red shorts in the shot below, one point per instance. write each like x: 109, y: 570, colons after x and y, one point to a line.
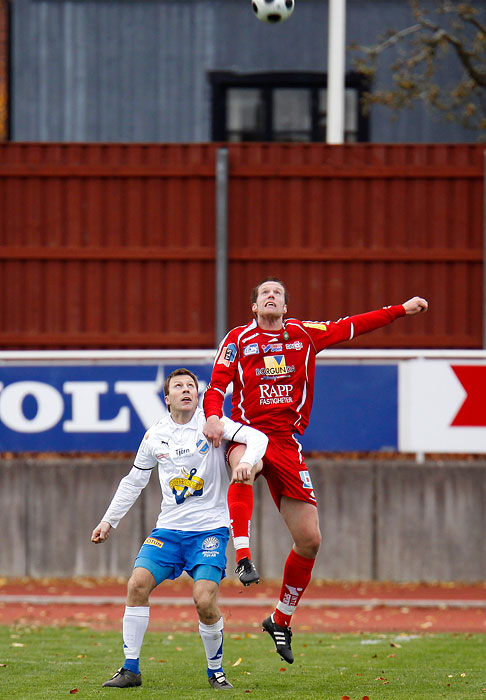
x: 285, y: 470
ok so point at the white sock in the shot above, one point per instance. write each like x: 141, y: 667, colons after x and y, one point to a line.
x: 135, y: 622
x: 212, y: 638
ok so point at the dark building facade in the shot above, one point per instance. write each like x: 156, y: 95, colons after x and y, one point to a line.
x: 193, y: 71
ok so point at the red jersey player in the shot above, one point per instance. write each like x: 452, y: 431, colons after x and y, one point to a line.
x: 271, y: 362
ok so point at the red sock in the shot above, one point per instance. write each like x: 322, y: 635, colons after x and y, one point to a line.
x: 297, y: 575
x: 240, y: 505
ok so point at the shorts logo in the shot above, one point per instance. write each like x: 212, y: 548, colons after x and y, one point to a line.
x: 152, y: 540
x: 315, y: 324
x: 306, y: 479
x: 251, y: 349
x: 210, y: 546
x: 186, y: 485
x: 228, y: 355
x: 272, y: 347
x: 203, y: 446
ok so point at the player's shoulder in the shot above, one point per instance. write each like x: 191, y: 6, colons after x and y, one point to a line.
x: 158, y: 429
x: 199, y: 418
x: 241, y: 333
x: 296, y: 325
x: 315, y: 325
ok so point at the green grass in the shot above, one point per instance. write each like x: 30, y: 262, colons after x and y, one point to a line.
x: 47, y: 662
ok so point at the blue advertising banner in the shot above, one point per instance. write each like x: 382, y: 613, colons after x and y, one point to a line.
x: 106, y: 408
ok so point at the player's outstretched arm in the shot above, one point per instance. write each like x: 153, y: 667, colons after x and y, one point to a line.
x: 415, y: 306
x: 101, y: 532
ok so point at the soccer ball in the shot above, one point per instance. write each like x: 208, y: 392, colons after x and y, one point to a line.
x: 273, y: 11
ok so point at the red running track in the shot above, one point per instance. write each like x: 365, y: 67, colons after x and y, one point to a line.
x: 326, y: 607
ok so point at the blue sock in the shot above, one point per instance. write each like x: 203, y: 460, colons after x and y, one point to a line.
x: 132, y: 665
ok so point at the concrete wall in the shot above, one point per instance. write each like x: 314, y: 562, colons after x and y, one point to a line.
x: 396, y: 521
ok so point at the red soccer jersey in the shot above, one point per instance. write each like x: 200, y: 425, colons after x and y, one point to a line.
x: 273, y: 373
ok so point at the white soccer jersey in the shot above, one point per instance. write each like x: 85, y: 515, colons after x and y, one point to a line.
x: 193, y: 474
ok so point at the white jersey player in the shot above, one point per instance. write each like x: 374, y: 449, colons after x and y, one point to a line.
x: 192, y: 529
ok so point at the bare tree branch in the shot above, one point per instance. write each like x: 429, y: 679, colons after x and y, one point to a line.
x: 419, y: 51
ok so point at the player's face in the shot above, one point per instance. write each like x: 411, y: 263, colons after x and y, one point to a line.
x: 270, y: 302
x: 183, y: 395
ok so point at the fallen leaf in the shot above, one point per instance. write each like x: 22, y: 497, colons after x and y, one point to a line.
x: 463, y: 675
x: 247, y: 691
x: 17, y: 644
x: 237, y: 662
x: 74, y: 690
x: 162, y: 661
x: 345, y: 697
x: 365, y: 697
x: 281, y: 669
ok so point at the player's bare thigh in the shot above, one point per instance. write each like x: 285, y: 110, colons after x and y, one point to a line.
x: 302, y: 521
x: 235, y: 453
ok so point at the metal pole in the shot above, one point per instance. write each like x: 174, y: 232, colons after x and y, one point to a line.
x: 221, y: 288
x: 336, y: 66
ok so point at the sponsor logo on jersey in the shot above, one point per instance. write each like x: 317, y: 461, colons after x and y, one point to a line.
x: 275, y: 366
x: 186, y: 485
x: 202, y: 446
x: 162, y: 456
x: 152, y: 540
x: 272, y: 347
x: 228, y: 354
x: 275, y: 394
x: 294, y: 346
x: 250, y: 337
x: 318, y: 325
x: 182, y: 451
x: 252, y: 349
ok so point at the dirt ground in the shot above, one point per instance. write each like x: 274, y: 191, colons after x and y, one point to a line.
x: 326, y: 607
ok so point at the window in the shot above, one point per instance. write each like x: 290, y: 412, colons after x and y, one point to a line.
x: 281, y: 107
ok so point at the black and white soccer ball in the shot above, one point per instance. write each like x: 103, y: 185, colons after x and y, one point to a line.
x: 273, y: 11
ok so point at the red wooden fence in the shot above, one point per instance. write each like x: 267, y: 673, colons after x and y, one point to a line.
x: 113, y: 246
